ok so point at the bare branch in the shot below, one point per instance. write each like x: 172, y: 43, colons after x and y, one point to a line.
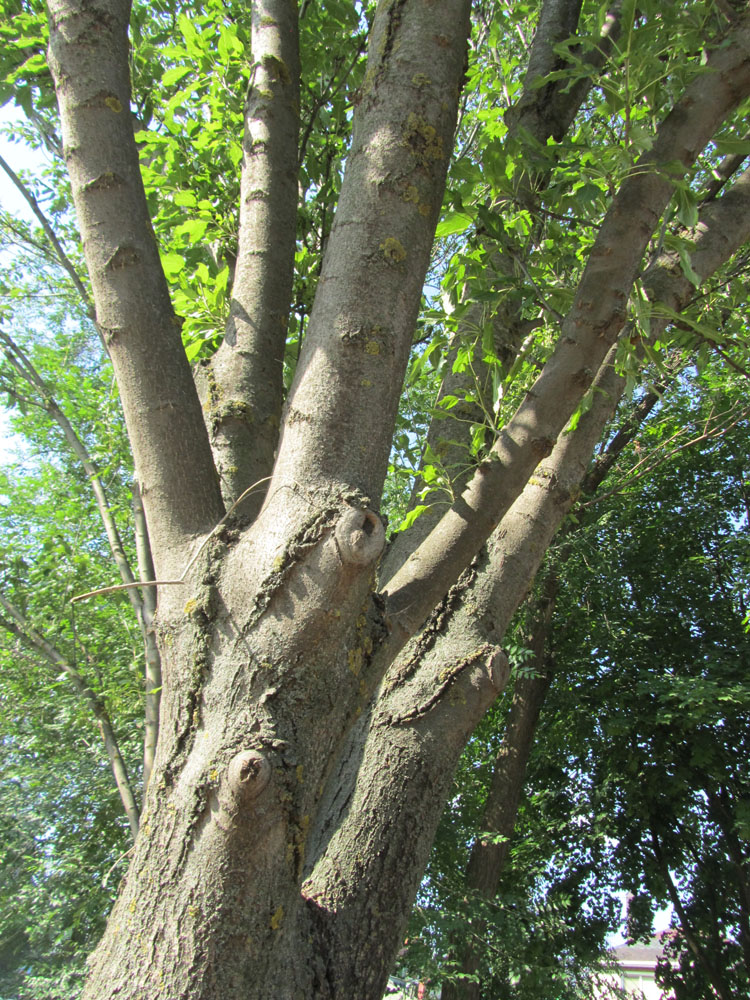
x: 329, y: 92
x: 720, y: 425
x: 62, y: 257
x: 153, y: 677
x: 25, y: 368
x: 724, y: 172
x: 143, y: 606
x: 22, y: 629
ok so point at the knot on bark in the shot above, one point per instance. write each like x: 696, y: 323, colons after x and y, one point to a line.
x: 498, y: 669
x: 360, y: 536
x: 541, y: 447
x: 248, y: 774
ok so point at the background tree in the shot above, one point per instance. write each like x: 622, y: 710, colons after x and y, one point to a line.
x: 313, y: 708
x: 583, y: 804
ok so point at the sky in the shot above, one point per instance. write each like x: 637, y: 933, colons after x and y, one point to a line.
x: 19, y: 157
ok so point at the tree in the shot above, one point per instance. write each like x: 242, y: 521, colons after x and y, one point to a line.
x: 315, y: 701
x: 637, y: 654
x: 669, y: 623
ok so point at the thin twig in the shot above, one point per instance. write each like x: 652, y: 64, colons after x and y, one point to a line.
x: 707, y: 435
x: 550, y: 309
x: 45, y: 224
x: 181, y: 581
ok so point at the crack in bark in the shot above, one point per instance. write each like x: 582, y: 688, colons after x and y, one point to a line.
x: 451, y: 675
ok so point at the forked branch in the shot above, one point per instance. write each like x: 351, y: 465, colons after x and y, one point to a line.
x: 590, y: 328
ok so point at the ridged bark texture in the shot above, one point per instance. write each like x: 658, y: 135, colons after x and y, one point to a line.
x: 242, y: 384
x: 294, y: 796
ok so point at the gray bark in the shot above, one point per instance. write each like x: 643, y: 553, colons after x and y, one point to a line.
x: 152, y: 658
x: 88, y: 55
x: 437, y: 690
x: 720, y: 232
x: 242, y: 383
x: 590, y: 328
x: 541, y: 112
x: 341, y: 409
x: 267, y: 649
x: 300, y: 771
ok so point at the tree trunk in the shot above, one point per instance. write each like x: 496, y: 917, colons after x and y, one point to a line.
x: 307, y: 738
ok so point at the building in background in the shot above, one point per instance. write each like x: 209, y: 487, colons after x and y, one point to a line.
x: 637, y: 970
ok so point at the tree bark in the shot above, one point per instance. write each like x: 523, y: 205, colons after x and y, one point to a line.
x: 590, y: 328
x: 88, y: 55
x: 301, y: 768
x: 242, y: 383
x: 436, y: 691
x: 730, y: 221
x: 152, y: 659
x: 268, y: 650
x: 541, y: 112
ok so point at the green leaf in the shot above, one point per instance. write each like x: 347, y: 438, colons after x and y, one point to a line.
x: 175, y: 74
x: 194, y: 229
x: 687, y: 207
x: 412, y: 516
x: 453, y: 224
x: 172, y: 263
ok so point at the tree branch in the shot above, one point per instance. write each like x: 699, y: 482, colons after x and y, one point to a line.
x: 328, y: 94
x: 152, y: 695
x: 88, y: 55
x: 62, y: 257
x: 517, y: 546
x: 243, y: 383
x: 491, y: 850
x: 342, y: 405
x: 712, y: 973
x: 721, y: 813
x: 143, y: 601
x: 591, y: 326
x: 449, y: 436
x: 23, y: 630
x: 358, y: 803
x: 724, y: 172
x: 25, y: 368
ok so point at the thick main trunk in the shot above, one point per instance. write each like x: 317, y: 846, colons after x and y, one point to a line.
x: 261, y: 668
x: 269, y: 646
